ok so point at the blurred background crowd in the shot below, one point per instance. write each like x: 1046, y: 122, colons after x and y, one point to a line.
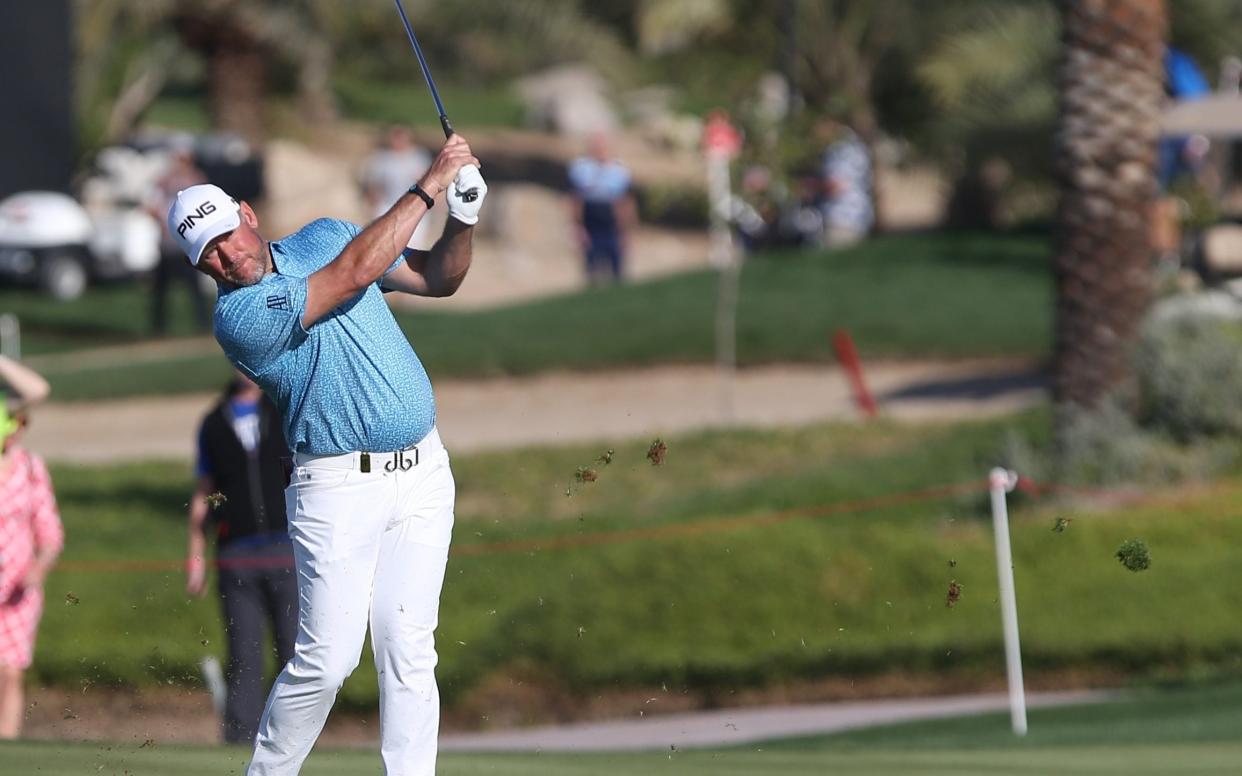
x: 851, y: 118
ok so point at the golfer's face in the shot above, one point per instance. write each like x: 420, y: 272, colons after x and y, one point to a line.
x: 236, y: 257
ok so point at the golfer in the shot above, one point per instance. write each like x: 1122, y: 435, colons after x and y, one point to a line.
x: 370, y: 501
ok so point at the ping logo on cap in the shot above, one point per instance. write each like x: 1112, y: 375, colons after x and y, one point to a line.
x: 204, y: 210
x: 200, y: 214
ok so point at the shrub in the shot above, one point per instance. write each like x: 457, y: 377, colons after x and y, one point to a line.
x: 1190, y: 370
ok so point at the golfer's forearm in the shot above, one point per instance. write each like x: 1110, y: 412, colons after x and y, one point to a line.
x: 450, y: 258
x: 374, y: 250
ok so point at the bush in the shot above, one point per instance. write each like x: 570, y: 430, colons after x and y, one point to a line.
x: 1189, y: 373
x: 673, y: 206
x: 1102, y: 445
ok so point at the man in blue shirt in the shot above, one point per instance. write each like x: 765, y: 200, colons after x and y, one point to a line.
x: 370, y: 502
x: 603, y: 210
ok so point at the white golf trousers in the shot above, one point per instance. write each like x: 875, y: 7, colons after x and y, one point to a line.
x: 367, y: 546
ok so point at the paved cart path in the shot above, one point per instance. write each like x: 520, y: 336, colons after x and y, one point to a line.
x: 573, y: 407
x: 746, y: 725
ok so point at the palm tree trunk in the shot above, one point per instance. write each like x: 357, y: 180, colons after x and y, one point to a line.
x: 238, y: 87
x: 1111, y: 94
x: 237, y: 66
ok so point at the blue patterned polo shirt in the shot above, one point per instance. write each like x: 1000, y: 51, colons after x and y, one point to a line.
x: 349, y: 382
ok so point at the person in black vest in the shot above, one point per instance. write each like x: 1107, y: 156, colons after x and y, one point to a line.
x: 241, y: 474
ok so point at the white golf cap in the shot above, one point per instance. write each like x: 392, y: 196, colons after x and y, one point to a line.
x: 199, y: 215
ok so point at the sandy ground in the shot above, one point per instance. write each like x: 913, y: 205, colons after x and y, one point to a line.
x: 186, y: 717
x: 729, y: 727
x: 566, y: 407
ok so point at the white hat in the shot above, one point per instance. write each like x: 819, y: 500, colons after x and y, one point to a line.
x: 199, y: 215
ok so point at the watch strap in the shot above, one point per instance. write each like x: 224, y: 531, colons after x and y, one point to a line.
x: 423, y: 195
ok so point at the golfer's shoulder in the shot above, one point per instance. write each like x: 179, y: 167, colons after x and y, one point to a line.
x: 314, y: 245
x: 319, y: 232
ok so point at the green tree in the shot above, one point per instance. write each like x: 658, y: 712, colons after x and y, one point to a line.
x: 127, y: 51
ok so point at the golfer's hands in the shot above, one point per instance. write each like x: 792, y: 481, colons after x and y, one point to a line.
x: 454, y: 155
x: 465, y: 196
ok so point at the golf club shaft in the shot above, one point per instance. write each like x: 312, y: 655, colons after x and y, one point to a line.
x: 431, y: 84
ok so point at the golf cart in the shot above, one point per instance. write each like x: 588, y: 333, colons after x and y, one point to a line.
x: 62, y: 244
x: 1211, y: 245
x: 49, y: 240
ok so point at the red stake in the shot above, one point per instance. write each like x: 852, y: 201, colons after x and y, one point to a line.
x: 848, y: 356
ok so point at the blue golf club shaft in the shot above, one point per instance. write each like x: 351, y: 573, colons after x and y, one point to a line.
x: 422, y: 63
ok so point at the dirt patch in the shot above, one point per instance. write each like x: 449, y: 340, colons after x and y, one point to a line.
x: 167, y: 715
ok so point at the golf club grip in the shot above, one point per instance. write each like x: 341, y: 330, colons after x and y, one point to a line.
x: 446, y: 126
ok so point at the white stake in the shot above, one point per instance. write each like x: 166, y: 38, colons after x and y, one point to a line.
x: 1000, y: 482
x: 10, y: 336
x: 213, y: 676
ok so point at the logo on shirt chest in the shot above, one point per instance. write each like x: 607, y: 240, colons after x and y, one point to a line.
x: 279, y: 302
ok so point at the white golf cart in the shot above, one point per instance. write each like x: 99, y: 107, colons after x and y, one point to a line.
x: 61, y: 244
x: 1212, y: 249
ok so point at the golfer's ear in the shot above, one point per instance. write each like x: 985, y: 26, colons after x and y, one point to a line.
x: 248, y: 215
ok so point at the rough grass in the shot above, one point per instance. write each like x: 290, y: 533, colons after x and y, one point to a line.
x: 702, y: 575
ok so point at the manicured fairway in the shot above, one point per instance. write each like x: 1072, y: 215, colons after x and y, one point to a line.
x: 1216, y: 758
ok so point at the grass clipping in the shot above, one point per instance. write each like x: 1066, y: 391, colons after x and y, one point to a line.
x: 1134, y: 555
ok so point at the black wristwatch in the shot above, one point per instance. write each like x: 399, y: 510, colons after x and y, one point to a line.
x: 424, y: 196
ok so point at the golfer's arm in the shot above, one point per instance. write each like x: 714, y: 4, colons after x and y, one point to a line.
x: 440, y: 271
x: 365, y: 258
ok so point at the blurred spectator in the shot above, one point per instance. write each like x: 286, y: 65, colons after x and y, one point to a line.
x: 1181, y: 156
x: 172, y: 268
x: 240, y: 492
x: 31, y: 537
x: 845, y: 179
x: 603, y: 210
x: 389, y: 172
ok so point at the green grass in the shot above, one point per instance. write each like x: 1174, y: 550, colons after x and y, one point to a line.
x: 409, y: 103
x: 944, y: 295
x: 186, y: 112
x: 710, y: 607
x: 365, y: 99
x: 1178, y: 714
x: 108, y: 315
x: 1186, y: 731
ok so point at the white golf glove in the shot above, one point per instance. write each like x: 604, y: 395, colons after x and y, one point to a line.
x: 465, y: 195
